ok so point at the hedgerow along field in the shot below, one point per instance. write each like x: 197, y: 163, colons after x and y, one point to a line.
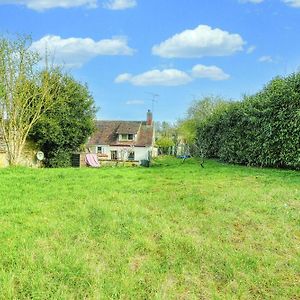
x: 261, y: 130
x: 173, y: 231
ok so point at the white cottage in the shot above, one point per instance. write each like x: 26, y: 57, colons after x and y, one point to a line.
x: 124, y: 140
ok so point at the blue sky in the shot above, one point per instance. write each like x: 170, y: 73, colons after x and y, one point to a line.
x: 128, y: 50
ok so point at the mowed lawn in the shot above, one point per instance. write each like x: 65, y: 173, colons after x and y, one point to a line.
x: 173, y: 231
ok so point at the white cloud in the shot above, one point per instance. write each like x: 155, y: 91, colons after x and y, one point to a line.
x: 74, y: 52
x: 123, y: 78
x: 172, y: 77
x: 209, y: 72
x: 199, y: 42
x: 41, y: 5
x: 293, y: 3
x: 167, y: 77
x: 266, y: 59
x: 251, y: 49
x: 120, y: 4
x: 252, y: 1
x: 135, y: 102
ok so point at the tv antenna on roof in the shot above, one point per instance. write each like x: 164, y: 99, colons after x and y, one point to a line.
x: 154, y: 99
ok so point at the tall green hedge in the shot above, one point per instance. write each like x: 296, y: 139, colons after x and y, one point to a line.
x: 261, y: 130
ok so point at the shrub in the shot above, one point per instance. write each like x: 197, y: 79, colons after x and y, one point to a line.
x: 65, y: 127
x: 59, y: 159
x: 263, y: 129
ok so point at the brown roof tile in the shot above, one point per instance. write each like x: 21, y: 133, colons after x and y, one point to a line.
x: 107, y: 133
x: 127, y: 127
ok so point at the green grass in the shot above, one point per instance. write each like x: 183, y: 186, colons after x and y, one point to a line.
x: 173, y: 231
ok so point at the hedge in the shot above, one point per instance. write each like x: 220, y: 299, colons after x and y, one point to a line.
x: 261, y: 130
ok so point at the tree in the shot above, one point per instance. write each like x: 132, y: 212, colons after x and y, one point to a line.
x: 167, y: 137
x: 165, y: 144
x: 65, y: 127
x: 197, y: 113
x: 26, y: 93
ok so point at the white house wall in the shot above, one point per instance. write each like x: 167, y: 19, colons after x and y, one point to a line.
x: 140, y: 153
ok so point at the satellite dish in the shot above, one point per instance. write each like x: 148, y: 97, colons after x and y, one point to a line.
x: 40, y: 155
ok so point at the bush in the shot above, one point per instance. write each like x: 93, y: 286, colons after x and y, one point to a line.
x: 65, y: 127
x: 59, y: 159
x: 262, y: 130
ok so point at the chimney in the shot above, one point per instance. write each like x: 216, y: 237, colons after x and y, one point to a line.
x: 149, y: 117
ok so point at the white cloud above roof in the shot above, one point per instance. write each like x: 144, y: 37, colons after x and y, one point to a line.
x: 209, y: 72
x: 292, y: 3
x: 41, y: 5
x: 74, y: 52
x: 173, y: 77
x: 167, y: 77
x: 120, y: 4
x: 199, y: 42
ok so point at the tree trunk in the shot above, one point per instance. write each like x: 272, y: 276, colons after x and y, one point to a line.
x: 15, y: 153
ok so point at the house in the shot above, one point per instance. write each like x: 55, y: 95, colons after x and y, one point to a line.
x: 124, y: 140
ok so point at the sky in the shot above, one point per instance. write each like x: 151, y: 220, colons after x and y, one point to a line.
x: 130, y: 52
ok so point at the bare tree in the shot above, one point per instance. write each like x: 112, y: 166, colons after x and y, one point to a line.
x: 26, y: 92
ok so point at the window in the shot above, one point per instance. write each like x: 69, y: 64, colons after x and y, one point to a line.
x: 126, y: 137
x: 99, y: 149
x: 131, y: 155
x: 114, y: 155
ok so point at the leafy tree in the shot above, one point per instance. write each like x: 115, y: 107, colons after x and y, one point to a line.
x: 167, y: 133
x: 197, y: 113
x: 165, y: 143
x: 26, y: 93
x: 187, y: 130
x: 66, y: 126
x: 165, y: 129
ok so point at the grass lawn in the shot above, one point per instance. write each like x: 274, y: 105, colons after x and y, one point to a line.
x: 173, y: 231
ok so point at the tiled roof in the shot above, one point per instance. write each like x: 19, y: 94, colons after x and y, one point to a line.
x: 127, y: 127
x: 107, y: 133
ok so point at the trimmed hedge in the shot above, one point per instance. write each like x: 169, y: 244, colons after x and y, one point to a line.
x: 262, y: 130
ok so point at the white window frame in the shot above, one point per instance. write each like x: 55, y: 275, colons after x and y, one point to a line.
x: 97, y: 149
x: 125, y: 137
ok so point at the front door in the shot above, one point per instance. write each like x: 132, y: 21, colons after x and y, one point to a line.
x: 114, y: 155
